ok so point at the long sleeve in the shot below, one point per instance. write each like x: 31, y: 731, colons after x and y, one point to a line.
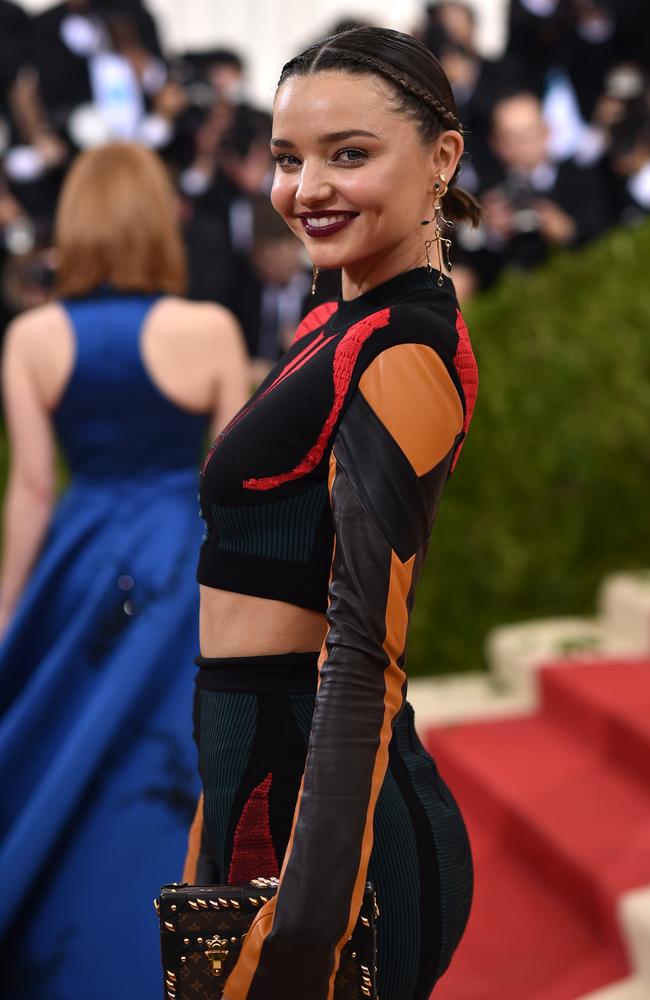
x: 390, y: 460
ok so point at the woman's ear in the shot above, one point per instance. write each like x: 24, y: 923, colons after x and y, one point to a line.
x: 447, y: 152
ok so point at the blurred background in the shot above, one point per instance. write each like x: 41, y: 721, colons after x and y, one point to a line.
x: 553, y: 95
x: 547, y: 515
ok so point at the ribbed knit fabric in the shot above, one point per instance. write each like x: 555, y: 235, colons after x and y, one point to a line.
x: 282, y: 530
x: 227, y: 725
x: 449, y: 837
x: 252, y: 749
x: 394, y: 865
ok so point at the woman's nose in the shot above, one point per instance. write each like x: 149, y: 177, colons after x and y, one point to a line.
x: 314, y: 186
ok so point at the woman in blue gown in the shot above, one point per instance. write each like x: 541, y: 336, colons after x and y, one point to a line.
x: 98, y: 600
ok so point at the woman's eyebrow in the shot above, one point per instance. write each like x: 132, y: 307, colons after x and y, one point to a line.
x: 328, y: 137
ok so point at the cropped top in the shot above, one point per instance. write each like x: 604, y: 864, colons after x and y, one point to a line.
x: 323, y: 491
x: 264, y: 484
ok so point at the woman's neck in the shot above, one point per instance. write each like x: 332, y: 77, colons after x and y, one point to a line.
x: 366, y: 274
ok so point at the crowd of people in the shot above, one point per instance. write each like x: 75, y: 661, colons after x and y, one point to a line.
x: 557, y: 129
x: 557, y: 134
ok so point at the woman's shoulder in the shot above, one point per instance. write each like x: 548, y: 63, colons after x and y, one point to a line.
x: 208, y: 316
x: 36, y: 321
x: 435, y: 324
x: 204, y: 326
x: 414, y: 345
x: 440, y: 328
x: 35, y: 331
x: 196, y: 344
x: 39, y: 346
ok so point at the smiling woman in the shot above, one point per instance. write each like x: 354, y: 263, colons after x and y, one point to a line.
x: 319, y: 499
x: 376, y: 183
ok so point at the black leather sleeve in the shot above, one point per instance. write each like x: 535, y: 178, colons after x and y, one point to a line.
x: 382, y: 513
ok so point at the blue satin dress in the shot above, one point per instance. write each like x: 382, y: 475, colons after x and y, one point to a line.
x: 97, y: 766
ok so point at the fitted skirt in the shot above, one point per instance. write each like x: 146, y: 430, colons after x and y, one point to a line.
x: 252, y: 719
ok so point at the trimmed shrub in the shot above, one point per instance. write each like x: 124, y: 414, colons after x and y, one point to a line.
x: 551, y: 491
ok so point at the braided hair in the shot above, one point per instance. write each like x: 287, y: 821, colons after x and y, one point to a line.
x: 420, y: 85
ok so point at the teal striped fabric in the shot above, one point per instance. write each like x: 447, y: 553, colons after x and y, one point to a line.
x: 285, y: 529
x: 303, y: 710
x: 394, y: 868
x: 450, y: 838
x: 228, y: 723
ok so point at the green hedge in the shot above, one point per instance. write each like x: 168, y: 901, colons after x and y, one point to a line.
x: 551, y: 491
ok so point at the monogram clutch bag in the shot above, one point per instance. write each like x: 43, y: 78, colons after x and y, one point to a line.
x: 202, y: 928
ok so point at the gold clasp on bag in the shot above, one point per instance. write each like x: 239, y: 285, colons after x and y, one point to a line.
x: 217, y: 953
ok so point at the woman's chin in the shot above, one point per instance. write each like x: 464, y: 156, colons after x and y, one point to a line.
x: 334, y: 261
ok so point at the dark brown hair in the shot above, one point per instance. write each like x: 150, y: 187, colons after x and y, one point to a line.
x: 116, y: 224
x: 422, y: 90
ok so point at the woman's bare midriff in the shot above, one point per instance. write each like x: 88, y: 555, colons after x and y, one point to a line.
x: 240, y: 625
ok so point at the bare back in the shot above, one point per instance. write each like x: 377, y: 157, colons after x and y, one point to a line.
x: 193, y: 353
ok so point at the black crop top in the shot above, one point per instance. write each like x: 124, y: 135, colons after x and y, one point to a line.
x: 264, y: 484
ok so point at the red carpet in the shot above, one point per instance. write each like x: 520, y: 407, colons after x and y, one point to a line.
x: 558, y: 810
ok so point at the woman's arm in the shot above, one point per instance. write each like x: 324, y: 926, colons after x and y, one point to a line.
x: 30, y: 491
x: 389, y: 464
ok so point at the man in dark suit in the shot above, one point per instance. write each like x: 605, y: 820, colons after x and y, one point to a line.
x: 583, y: 37
x: 535, y: 205
x: 538, y: 204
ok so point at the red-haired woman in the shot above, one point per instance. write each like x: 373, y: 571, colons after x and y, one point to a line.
x: 97, y: 594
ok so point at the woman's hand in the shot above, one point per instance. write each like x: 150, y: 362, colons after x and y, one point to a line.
x: 554, y: 223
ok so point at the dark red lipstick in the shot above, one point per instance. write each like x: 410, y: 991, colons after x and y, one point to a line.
x: 340, y: 221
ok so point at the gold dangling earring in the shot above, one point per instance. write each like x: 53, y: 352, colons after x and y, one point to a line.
x: 427, y: 247
x: 444, y: 244
x: 314, y: 278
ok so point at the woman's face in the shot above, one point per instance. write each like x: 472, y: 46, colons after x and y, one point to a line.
x: 353, y: 180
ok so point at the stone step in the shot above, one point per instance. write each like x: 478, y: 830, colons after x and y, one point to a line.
x: 516, y: 652
x: 552, y: 796
x: 634, y: 920
x: 439, y: 701
x: 624, y: 610
x: 606, y: 703
x: 564, y: 808
x: 632, y: 988
x: 634, y: 917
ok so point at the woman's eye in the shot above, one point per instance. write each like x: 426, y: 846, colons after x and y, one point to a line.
x: 350, y: 156
x: 286, y: 160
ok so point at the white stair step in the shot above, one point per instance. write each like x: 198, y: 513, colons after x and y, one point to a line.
x: 633, y: 988
x: 633, y: 910
x: 624, y: 609
x: 463, y: 698
x: 634, y: 918
x: 515, y: 653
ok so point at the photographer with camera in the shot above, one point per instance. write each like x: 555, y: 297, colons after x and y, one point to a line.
x: 539, y: 204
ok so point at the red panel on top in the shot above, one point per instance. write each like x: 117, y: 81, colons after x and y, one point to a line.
x: 465, y: 364
x: 345, y: 357
x: 317, y: 317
